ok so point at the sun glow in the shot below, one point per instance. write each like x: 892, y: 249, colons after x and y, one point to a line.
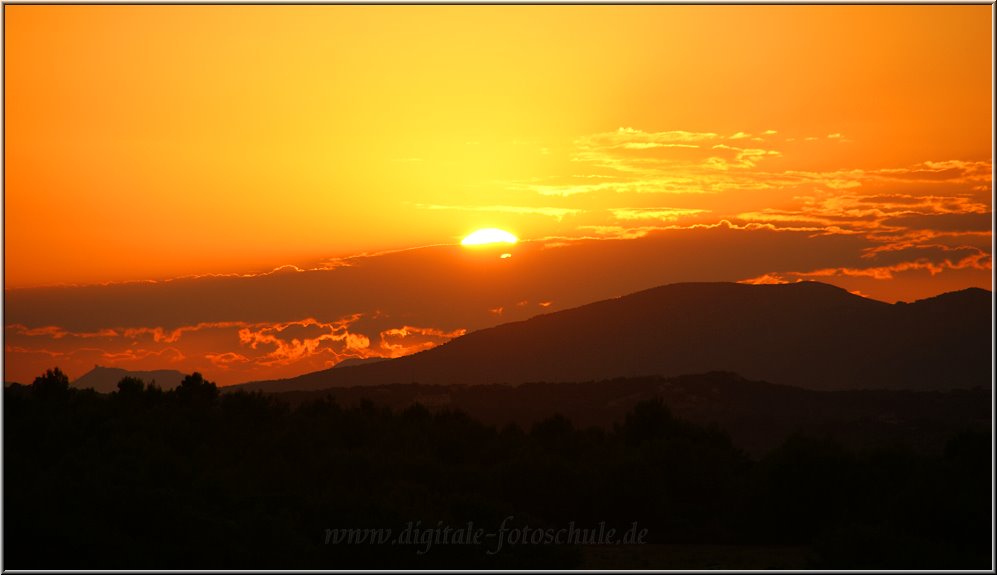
x: 489, y: 236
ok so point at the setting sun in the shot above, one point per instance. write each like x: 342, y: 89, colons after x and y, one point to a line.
x: 489, y: 236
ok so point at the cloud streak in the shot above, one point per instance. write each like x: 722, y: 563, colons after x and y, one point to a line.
x: 256, y: 350
x: 557, y: 213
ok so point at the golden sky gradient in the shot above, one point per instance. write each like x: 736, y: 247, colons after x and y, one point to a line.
x: 155, y: 142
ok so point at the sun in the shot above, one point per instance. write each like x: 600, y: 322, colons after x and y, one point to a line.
x: 489, y: 236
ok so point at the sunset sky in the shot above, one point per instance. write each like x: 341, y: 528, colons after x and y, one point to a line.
x: 261, y: 191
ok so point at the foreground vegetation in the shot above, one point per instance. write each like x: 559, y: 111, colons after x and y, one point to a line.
x: 191, y: 478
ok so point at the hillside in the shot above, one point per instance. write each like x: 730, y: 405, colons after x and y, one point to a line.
x: 807, y: 334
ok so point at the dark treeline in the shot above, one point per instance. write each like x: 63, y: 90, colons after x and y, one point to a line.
x: 191, y: 478
x: 757, y: 415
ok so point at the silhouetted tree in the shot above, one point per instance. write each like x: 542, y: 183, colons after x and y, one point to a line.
x: 130, y: 386
x: 650, y: 419
x: 52, y: 384
x: 194, y: 388
x: 555, y: 433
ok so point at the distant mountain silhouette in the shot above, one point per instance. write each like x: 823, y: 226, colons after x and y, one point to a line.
x: 807, y: 334
x: 105, y: 379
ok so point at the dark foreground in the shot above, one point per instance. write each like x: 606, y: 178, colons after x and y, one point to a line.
x: 196, y: 479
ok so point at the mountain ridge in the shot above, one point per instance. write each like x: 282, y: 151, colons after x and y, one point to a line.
x: 806, y: 334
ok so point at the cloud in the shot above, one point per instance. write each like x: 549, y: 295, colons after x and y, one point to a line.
x: 766, y: 279
x: 627, y: 135
x: 259, y: 349
x: 666, y: 214
x: 634, y: 161
x: 227, y: 359
x: 285, y: 348
x: 660, y: 185
x: 652, y: 145
x: 161, y: 335
x: 56, y: 332
x: 630, y: 160
x: 977, y: 260
x: 742, y: 157
x: 886, y: 218
x: 168, y: 354
x: 558, y: 213
x: 619, y: 232
x: 629, y: 153
x: 406, y: 340
x: 943, y: 222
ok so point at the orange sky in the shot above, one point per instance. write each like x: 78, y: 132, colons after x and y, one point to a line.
x: 154, y: 142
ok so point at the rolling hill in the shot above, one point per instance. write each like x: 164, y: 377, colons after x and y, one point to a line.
x: 806, y: 334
